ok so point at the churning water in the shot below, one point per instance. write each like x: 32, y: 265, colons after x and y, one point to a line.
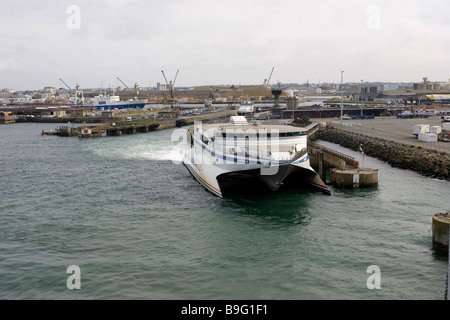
x: 139, y: 226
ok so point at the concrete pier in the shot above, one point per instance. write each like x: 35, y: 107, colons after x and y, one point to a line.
x: 440, y: 231
x: 354, y: 178
x: 89, y: 132
x: 66, y: 131
x: 128, y: 128
x: 8, y: 119
x: 330, y: 158
x: 344, y: 170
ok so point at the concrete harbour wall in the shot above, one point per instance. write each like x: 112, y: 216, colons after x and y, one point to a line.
x: 427, y: 162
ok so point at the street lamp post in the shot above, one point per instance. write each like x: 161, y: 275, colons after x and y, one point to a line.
x: 360, y: 95
x: 342, y: 94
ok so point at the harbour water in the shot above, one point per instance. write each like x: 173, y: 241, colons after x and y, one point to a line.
x: 138, y: 226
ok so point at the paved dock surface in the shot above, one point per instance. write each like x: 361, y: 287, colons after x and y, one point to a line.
x: 393, y: 129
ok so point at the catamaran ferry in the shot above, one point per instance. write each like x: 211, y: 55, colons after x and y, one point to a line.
x: 270, y: 153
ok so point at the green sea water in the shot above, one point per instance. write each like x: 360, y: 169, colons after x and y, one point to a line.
x: 138, y: 226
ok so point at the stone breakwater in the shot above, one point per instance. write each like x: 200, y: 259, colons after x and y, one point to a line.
x: 427, y: 162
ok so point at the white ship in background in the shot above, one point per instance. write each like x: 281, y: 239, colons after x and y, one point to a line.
x: 270, y: 153
x: 114, y: 102
x: 245, y: 108
x: 105, y: 101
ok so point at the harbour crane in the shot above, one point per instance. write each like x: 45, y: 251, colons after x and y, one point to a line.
x: 123, y: 83
x: 266, y: 81
x: 171, y: 84
x: 77, y: 93
x: 70, y: 90
x: 135, y: 90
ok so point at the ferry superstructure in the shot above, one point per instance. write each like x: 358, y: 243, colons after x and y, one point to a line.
x: 270, y: 153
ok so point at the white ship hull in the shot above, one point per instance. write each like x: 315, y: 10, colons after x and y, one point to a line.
x: 114, y: 102
x: 218, y: 152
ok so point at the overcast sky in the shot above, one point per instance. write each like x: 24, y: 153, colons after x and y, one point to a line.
x: 221, y: 41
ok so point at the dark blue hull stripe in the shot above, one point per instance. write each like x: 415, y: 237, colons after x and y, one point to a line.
x: 235, y: 159
x: 121, y: 106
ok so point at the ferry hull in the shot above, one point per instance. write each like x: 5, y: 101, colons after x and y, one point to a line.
x: 211, y: 176
x: 295, y: 176
x: 202, y: 177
